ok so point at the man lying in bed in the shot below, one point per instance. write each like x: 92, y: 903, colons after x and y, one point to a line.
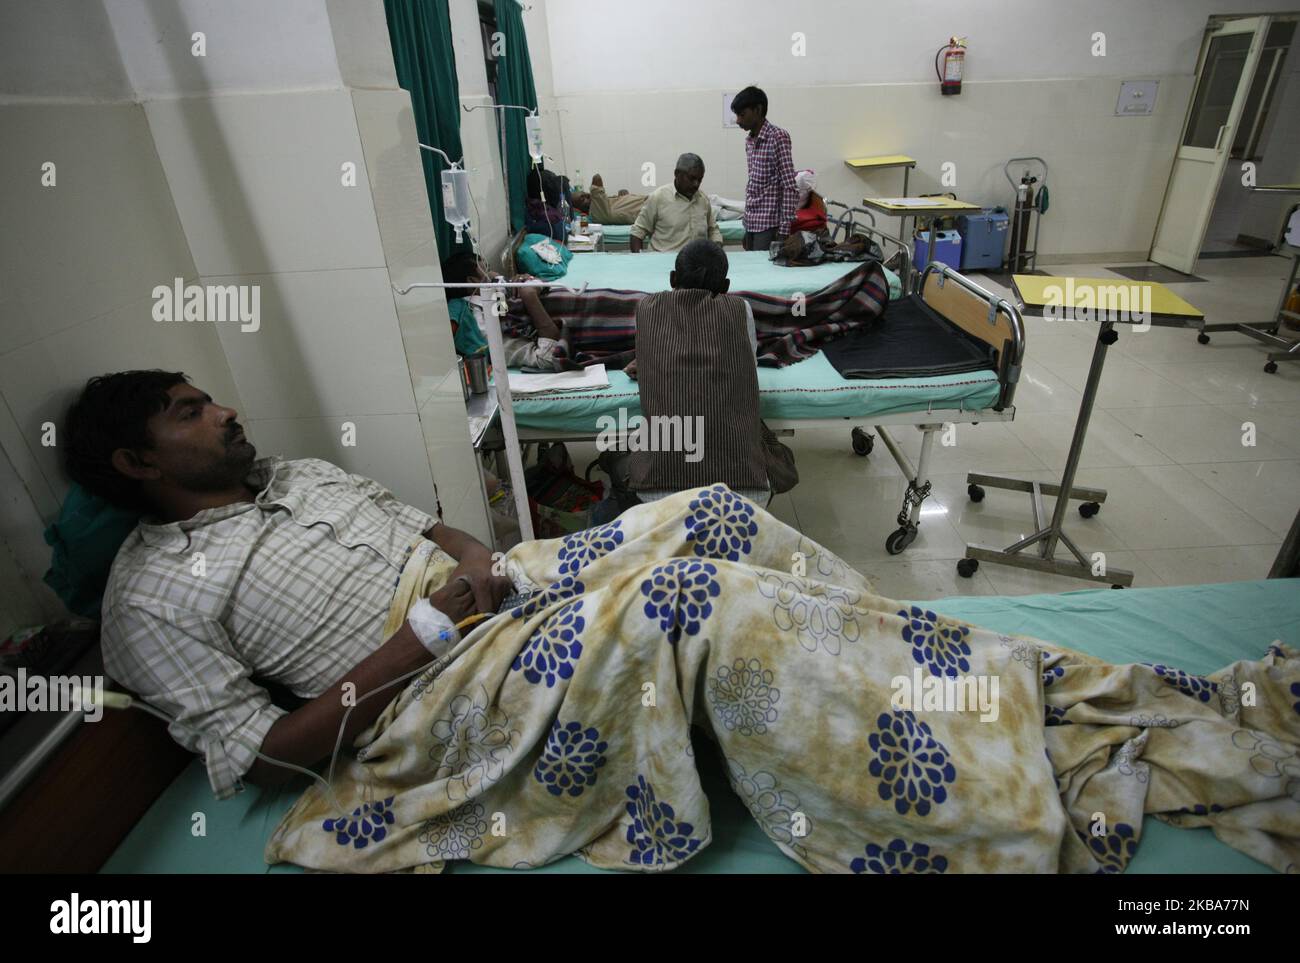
x: 469, y: 309
x: 245, y: 569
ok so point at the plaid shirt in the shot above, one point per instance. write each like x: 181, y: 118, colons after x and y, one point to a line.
x: 294, y: 588
x: 771, y: 196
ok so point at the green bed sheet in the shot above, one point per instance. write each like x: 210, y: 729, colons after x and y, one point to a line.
x: 810, y: 389
x: 1198, y: 628
x: 748, y: 271
x: 618, y: 234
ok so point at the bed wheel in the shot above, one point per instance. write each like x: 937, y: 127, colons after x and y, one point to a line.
x: 1202, y: 338
x: 862, y: 442
x: 1117, y: 586
x: 899, y: 539
x: 975, y: 492
x: 1088, y: 509
x: 1271, y: 367
x: 966, y: 567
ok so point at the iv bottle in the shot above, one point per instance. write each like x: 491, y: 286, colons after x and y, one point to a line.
x: 533, y: 126
x: 577, y: 181
x: 455, y: 199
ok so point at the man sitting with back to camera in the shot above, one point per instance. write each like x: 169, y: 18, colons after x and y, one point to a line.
x: 246, y: 571
x: 696, y: 358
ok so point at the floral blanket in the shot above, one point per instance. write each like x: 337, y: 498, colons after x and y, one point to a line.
x: 864, y: 735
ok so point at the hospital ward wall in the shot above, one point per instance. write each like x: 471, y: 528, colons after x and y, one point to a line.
x: 78, y: 261
x: 635, y: 84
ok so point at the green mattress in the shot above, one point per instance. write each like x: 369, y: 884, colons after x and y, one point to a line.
x: 748, y: 271
x: 618, y: 234
x: 1198, y: 628
x: 810, y: 389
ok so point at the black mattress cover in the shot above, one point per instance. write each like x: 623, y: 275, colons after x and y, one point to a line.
x: 909, y: 341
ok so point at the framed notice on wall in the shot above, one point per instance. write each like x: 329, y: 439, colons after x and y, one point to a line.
x: 728, y: 118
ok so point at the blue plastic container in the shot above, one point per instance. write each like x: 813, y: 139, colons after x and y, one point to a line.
x: 984, y: 238
x: 947, y: 249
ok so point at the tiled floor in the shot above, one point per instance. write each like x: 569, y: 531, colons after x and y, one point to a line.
x: 1189, y: 502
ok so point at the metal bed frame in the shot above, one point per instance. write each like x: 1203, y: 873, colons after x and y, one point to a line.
x: 927, y: 422
x: 1267, y: 333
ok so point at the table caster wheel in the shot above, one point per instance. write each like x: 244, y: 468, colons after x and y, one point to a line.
x: 975, y: 492
x: 1117, y: 586
x: 899, y: 539
x: 967, y: 567
x: 1202, y: 339
x: 862, y: 442
x: 1271, y: 367
x: 1088, y: 509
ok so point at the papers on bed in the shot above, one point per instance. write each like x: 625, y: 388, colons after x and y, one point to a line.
x: 550, y: 382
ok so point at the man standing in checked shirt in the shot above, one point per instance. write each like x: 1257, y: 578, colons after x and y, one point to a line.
x: 771, y: 196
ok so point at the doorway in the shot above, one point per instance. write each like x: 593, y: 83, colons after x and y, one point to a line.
x: 1241, y: 130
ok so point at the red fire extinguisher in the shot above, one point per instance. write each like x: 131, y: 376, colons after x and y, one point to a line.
x: 954, y: 58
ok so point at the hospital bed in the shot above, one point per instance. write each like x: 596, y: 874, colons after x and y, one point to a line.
x: 1198, y: 628
x: 812, y: 393
x: 618, y: 235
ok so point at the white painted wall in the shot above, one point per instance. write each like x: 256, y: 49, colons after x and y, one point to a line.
x: 633, y: 84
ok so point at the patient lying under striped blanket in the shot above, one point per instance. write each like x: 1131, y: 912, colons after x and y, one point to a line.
x: 891, y: 739
x: 600, y: 324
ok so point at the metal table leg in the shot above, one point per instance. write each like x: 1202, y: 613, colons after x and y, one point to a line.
x: 1047, y: 538
x: 1266, y: 333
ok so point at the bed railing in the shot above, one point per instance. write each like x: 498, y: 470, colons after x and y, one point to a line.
x: 886, y: 241
x: 981, y: 321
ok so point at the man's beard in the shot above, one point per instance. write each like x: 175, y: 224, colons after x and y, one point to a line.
x: 222, y: 474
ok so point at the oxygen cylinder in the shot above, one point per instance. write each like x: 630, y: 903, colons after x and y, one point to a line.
x: 1019, y: 216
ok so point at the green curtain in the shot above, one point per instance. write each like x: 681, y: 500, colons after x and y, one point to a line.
x: 515, y: 86
x: 420, y: 32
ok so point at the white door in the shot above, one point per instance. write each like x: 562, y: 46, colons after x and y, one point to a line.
x: 1229, y: 57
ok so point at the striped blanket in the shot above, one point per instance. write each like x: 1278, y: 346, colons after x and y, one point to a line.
x: 600, y: 324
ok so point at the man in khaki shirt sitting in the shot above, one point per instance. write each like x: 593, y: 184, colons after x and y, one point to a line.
x: 677, y: 212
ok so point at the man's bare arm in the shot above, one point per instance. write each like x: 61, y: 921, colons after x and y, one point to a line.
x: 306, y: 736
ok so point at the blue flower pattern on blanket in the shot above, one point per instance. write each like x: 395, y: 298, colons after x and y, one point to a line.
x: 656, y: 835
x: 1113, y: 850
x: 1295, y: 691
x: 368, y: 824
x: 580, y: 549
x: 565, y: 588
x: 898, y: 858
x: 553, y: 647
x: 571, y: 760
x: 678, y: 594
x: 1190, y: 685
x: 910, y: 763
x: 721, y: 524
x: 1054, y: 716
x: 937, y: 643
x: 1050, y: 675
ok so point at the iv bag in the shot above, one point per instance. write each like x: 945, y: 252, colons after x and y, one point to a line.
x: 533, y: 125
x: 455, y: 199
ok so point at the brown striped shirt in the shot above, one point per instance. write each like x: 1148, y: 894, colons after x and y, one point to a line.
x: 695, y: 362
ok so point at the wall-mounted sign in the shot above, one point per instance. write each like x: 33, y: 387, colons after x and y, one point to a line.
x: 1137, y: 98
x: 728, y: 118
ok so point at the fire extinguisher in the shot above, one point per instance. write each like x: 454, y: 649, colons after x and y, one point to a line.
x: 954, y: 58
